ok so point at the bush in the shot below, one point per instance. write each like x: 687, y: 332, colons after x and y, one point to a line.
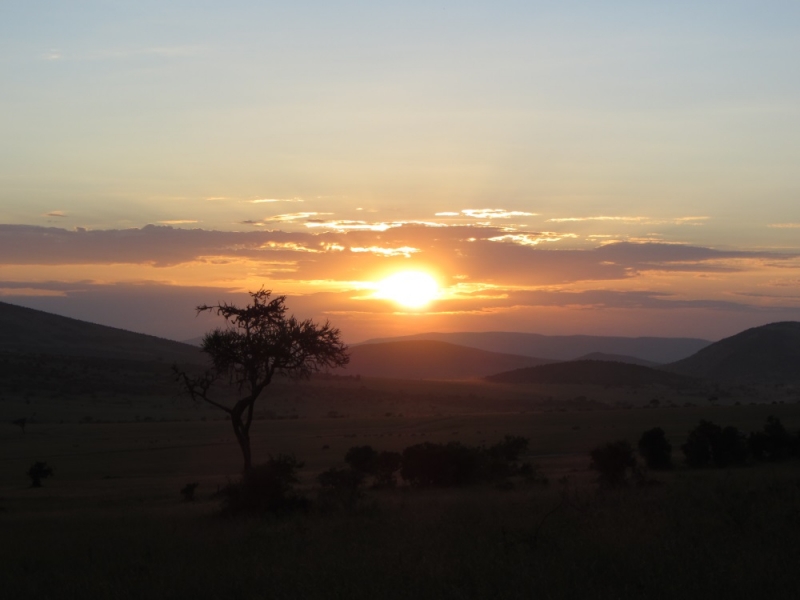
x: 38, y: 471
x: 613, y: 461
x: 385, y: 466
x: 772, y: 443
x: 188, y: 491
x: 697, y: 448
x: 443, y: 465
x: 510, y: 449
x: 362, y: 458
x: 268, y: 487
x: 341, y: 488
x: 655, y: 449
x: 709, y: 443
x: 731, y: 448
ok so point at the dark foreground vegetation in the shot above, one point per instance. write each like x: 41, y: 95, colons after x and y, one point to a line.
x: 704, y: 534
x: 443, y: 520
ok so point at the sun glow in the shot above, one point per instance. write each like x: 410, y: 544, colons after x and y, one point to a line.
x: 412, y: 289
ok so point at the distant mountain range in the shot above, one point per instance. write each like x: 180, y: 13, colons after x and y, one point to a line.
x: 621, y: 358
x: 428, y: 359
x: 565, y: 347
x: 769, y: 354
x: 594, y: 372
x: 28, y: 331
x: 766, y: 354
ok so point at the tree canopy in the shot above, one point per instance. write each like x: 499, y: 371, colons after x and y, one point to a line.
x: 258, y: 342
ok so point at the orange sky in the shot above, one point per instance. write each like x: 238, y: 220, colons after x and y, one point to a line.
x: 592, y: 167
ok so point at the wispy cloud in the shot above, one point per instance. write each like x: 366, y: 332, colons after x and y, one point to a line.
x: 487, y: 213
x: 347, y: 225
x: 405, y: 251
x: 298, y: 216
x: 283, y: 218
x: 56, y: 213
x: 531, y: 239
x: 691, y: 220
x: 785, y: 225
x: 273, y: 200
x: 599, y: 218
x: 178, y: 222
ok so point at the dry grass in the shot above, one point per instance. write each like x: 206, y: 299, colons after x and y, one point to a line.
x: 111, y: 524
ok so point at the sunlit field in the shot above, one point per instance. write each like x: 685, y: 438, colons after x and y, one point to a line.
x: 111, y: 521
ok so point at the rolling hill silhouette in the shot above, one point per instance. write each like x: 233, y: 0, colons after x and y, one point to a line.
x: 28, y: 331
x: 594, y: 372
x: 428, y: 359
x: 631, y: 360
x: 565, y: 347
x: 766, y: 354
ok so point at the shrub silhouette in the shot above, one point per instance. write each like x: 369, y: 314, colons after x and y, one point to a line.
x: 362, y: 458
x: 443, y: 465
x: 188, y: 491
x: 709, y: 443
x: 501, y: 458
x: 731, y: 448
x: 381, y: 465
x: 341, y: 488
x: 38, y: 471
x: 268, y: 487
x: 613, y: 461
x: 509, y: 449
x: 697, y: 448
x: 385, y: 466
x: 655, y: 449
x: 772, y: 443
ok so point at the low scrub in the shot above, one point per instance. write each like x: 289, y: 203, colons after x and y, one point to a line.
x: 266, y: 488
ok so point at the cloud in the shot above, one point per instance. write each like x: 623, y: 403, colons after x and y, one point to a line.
x: 56, y: 213
x: 691, y: 220
x: 178, y: 222
x: 487, y: 213
x: 346, y: 225
x: 405, y: 251
x: 785, y: 225
x: 531, y: 239
x: 273, y: 200
x: 295, y: 216
x: 476, y: 253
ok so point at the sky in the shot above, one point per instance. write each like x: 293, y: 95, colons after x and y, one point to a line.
x: 615, y: 168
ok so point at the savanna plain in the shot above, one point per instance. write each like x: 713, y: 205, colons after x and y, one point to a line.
x: 112, y: 522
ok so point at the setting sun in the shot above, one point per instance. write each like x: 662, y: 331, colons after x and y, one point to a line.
x: 412, y: 289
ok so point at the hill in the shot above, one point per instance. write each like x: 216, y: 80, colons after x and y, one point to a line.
x: 565, y: 347
x: 28, y: 331
x: 631, y: 360
x: 594, y: 372
x: 766, y: 354
x: 427, y: 359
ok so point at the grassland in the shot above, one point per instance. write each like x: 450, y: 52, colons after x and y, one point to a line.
x: 111, y: 523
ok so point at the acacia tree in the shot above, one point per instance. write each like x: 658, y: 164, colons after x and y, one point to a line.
x: 258, y: 342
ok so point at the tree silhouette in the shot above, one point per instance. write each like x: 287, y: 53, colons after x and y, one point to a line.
x: 258, y: 342
x: 708, y: 442
x: 655, y: 449
x: 38, y: 471
x: 612, y: 461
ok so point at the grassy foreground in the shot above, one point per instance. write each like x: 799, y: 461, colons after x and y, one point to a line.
x: 710, y: 534
x: 110, y: 523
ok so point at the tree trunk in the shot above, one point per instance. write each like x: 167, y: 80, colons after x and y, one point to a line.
x: 244, y: 441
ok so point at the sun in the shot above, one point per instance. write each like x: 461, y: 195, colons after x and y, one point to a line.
x: 412, y: 289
